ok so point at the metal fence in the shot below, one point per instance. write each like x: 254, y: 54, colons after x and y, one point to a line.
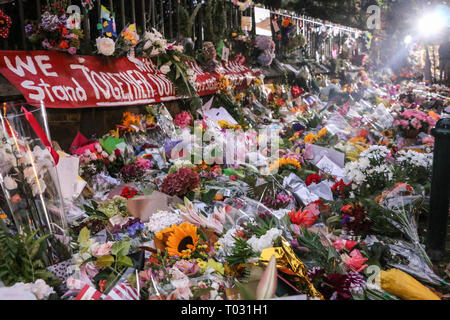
x: 163, y: 15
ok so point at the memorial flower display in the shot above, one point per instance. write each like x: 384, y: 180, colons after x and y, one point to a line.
x: 215, y: 179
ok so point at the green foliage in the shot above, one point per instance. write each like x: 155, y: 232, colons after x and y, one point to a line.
x: 22, y: 258
x: 325, y: 257
x: 240, y: 253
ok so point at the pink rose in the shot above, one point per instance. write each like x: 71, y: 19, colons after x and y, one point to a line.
x: 355, y: 262
x: 103, y: 249
x: 404, y: 123
x: 428, y: 140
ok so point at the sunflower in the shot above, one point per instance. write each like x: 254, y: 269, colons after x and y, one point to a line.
x: 183, y: 240
x: 387, y: 134
x: 283, y: 162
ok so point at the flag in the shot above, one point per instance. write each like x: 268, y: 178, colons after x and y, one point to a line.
x: 89, y: 293
x: 109, y: 28
x: 123, y: 291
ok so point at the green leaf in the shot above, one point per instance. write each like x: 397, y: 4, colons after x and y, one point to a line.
x: 121, y: 248
x: 105, y: 261
x: 125, y: 261
x: 208, y: 196
x: 83, y: 237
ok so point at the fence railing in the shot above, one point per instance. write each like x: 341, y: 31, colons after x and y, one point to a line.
x: 163, y: 15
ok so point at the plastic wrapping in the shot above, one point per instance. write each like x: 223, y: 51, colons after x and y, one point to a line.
x: 29, y: 178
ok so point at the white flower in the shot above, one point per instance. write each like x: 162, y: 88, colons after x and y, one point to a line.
x: 165, y: 69
x: 29, y: 174
x: 266, y: 241
x: 26, y: 291
x: 147, y: 44
x: 105, y: 46
x: 38, y: 187
x: 190, y: 72
x: 41, y: 290
x: 10, y: 183
x: 162, y: 220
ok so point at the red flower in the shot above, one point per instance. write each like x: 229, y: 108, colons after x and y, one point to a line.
x: 63, y: 45
x: 363, y: 133
x: 296, y: 92
x: 117, y: 152
x: 181, y: 182
x: 128, y: 193
x: 280, y: 102
x: 340, y: 188
x: 313, y: 178
x: 305, y: 217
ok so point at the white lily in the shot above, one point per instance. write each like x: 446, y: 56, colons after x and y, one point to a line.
x: 190, y: 214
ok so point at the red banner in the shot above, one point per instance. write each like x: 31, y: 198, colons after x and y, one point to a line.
x: 64, y: 81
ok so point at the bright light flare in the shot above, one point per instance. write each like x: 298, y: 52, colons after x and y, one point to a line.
x: 407, y: 39
x: 431, y: 24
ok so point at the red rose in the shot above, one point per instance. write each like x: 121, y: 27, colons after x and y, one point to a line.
x: 313, y: 178
x: 128, y: 193
x: 296, y: 92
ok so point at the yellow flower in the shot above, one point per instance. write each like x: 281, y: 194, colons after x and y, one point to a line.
x: 294, y: 137
x: 310, y: 138
x: 284, y: 162
x: 322, y: 132
x: 217, y: 266
x: 202, y: 264
x: 182, y: 240
x: 357, y: 140
x: 223, y: 82
x: 234, y: 34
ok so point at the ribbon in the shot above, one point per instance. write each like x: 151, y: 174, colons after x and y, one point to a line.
x: 41, y: 134
x: 291, y: 265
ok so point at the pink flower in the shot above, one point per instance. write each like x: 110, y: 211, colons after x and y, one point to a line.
x: 103, y: 249
x: 416, y: 123
x: 404, y: 123
x: 428, y: 140
x: 355, y: 262
x: 187, y: 267
x: 340, y: 244
x: 183, y: 119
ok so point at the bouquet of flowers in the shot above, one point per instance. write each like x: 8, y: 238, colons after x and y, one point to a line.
x: 53, y: 31
x: 411, y: 122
